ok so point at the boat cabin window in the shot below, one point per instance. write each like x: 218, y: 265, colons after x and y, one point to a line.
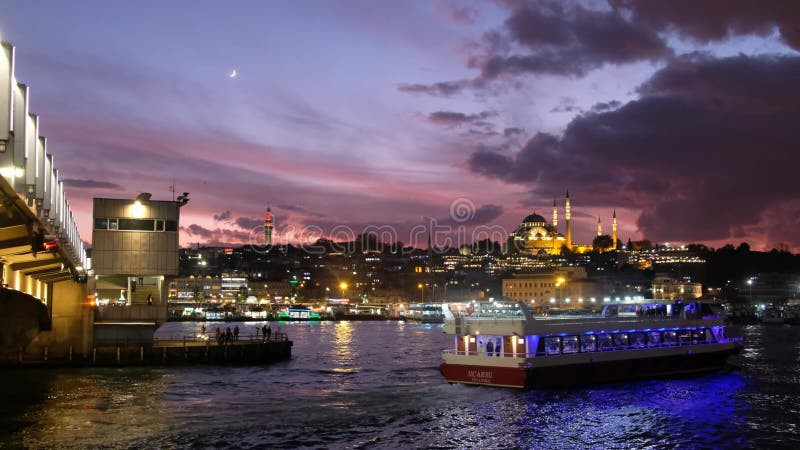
x: 604, y: 342
x: 610, y: 310
x: 637, y: 340
x: 589, y: 343
x: 557, y: 345
x: 620, y: 341
x: 570, y: 344
x: 552, y: 345
x: 622, y: 309
x: 684, y: 337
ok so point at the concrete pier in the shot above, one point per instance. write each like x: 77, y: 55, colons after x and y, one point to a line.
x: 172, y: 352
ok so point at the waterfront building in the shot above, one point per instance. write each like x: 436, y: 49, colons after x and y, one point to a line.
x: 135, y: 256
x: 563, y: 287
x: 668, y: 288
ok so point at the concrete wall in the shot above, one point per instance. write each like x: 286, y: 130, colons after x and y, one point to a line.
x: 123, y: 334
x: 156, y: 313
x: 135, y: 253
x: 72, y: 320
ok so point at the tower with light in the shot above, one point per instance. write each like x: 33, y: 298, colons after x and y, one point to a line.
x: 268, y: 228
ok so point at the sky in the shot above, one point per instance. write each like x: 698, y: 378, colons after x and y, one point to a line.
x: 681, y: 116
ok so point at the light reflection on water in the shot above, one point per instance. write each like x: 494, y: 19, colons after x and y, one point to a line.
x: 376, y: 384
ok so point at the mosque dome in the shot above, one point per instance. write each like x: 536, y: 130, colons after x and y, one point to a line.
x: 534, y: 218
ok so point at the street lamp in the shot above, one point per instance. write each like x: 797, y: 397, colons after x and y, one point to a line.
x: 750, y: 286
x: 421, y: 293
x: 343, y: 287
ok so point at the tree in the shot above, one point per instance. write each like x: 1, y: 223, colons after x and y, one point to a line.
x: 603, y: 243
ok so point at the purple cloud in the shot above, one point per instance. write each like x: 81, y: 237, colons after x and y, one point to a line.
x: 81, y: 183
x: 451, y: 119
x: 247, y: 223
x: 223, y: 216
x: 699, y: 156
x: 716, y: 20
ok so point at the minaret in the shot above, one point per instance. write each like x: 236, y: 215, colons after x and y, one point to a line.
x: 555, y: 217
x: 268, y: 227
x: 614, y: 230
x: 569, y: 228
x: 555, y: 225
x: 599, y: 227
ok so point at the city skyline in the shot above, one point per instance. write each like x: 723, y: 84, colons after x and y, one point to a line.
x: 335, y: 115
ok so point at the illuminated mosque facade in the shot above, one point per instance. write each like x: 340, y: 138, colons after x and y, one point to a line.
x: 535, y: 236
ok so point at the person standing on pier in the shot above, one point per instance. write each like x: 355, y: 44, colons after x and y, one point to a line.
x: 236, y: 333
x: 268, y: 333
x: 264, y: 331
x: 228, y: 335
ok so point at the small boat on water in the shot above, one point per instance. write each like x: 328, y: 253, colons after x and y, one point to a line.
x: 791, y: 314
x: 772, y: 316
x: 503, y: 344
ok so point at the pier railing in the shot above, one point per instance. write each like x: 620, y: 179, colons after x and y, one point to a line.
x: 211, y: 339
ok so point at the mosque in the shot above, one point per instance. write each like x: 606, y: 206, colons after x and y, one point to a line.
x: 535, y: 236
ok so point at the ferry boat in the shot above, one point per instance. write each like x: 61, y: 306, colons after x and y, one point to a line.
x: 424, y: 313
x: 504, y: 344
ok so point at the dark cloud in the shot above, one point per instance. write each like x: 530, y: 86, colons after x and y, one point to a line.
x: 198, y: 230
x: 568, y: 39
x: 508, y: 132
x: 223, y: 216
x: 453, y: 119
x: 301, y: 210
x: 566, y: 104
x: 218, y: 236
x: 741, y: 83
x: 486, y: 214
x: 291, y: 208
x: 247, y: 223
x: 441, y: 89
x: 483, y: 215
x: 716, y: 20
x: 699, y: 154
x: 482, y: 132
x: 606, y: 106
x: 81, y: 183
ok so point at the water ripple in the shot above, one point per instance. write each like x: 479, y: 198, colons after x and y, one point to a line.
x: 376, y: 385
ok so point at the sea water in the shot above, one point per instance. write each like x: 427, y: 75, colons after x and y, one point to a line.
x: 377, y: 385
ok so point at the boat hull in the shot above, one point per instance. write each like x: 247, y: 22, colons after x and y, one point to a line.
x: 629, y: 369
x: 589, y: 373
x: 514, y: 377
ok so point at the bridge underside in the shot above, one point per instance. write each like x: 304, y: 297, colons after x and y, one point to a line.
x: 41, y: 304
